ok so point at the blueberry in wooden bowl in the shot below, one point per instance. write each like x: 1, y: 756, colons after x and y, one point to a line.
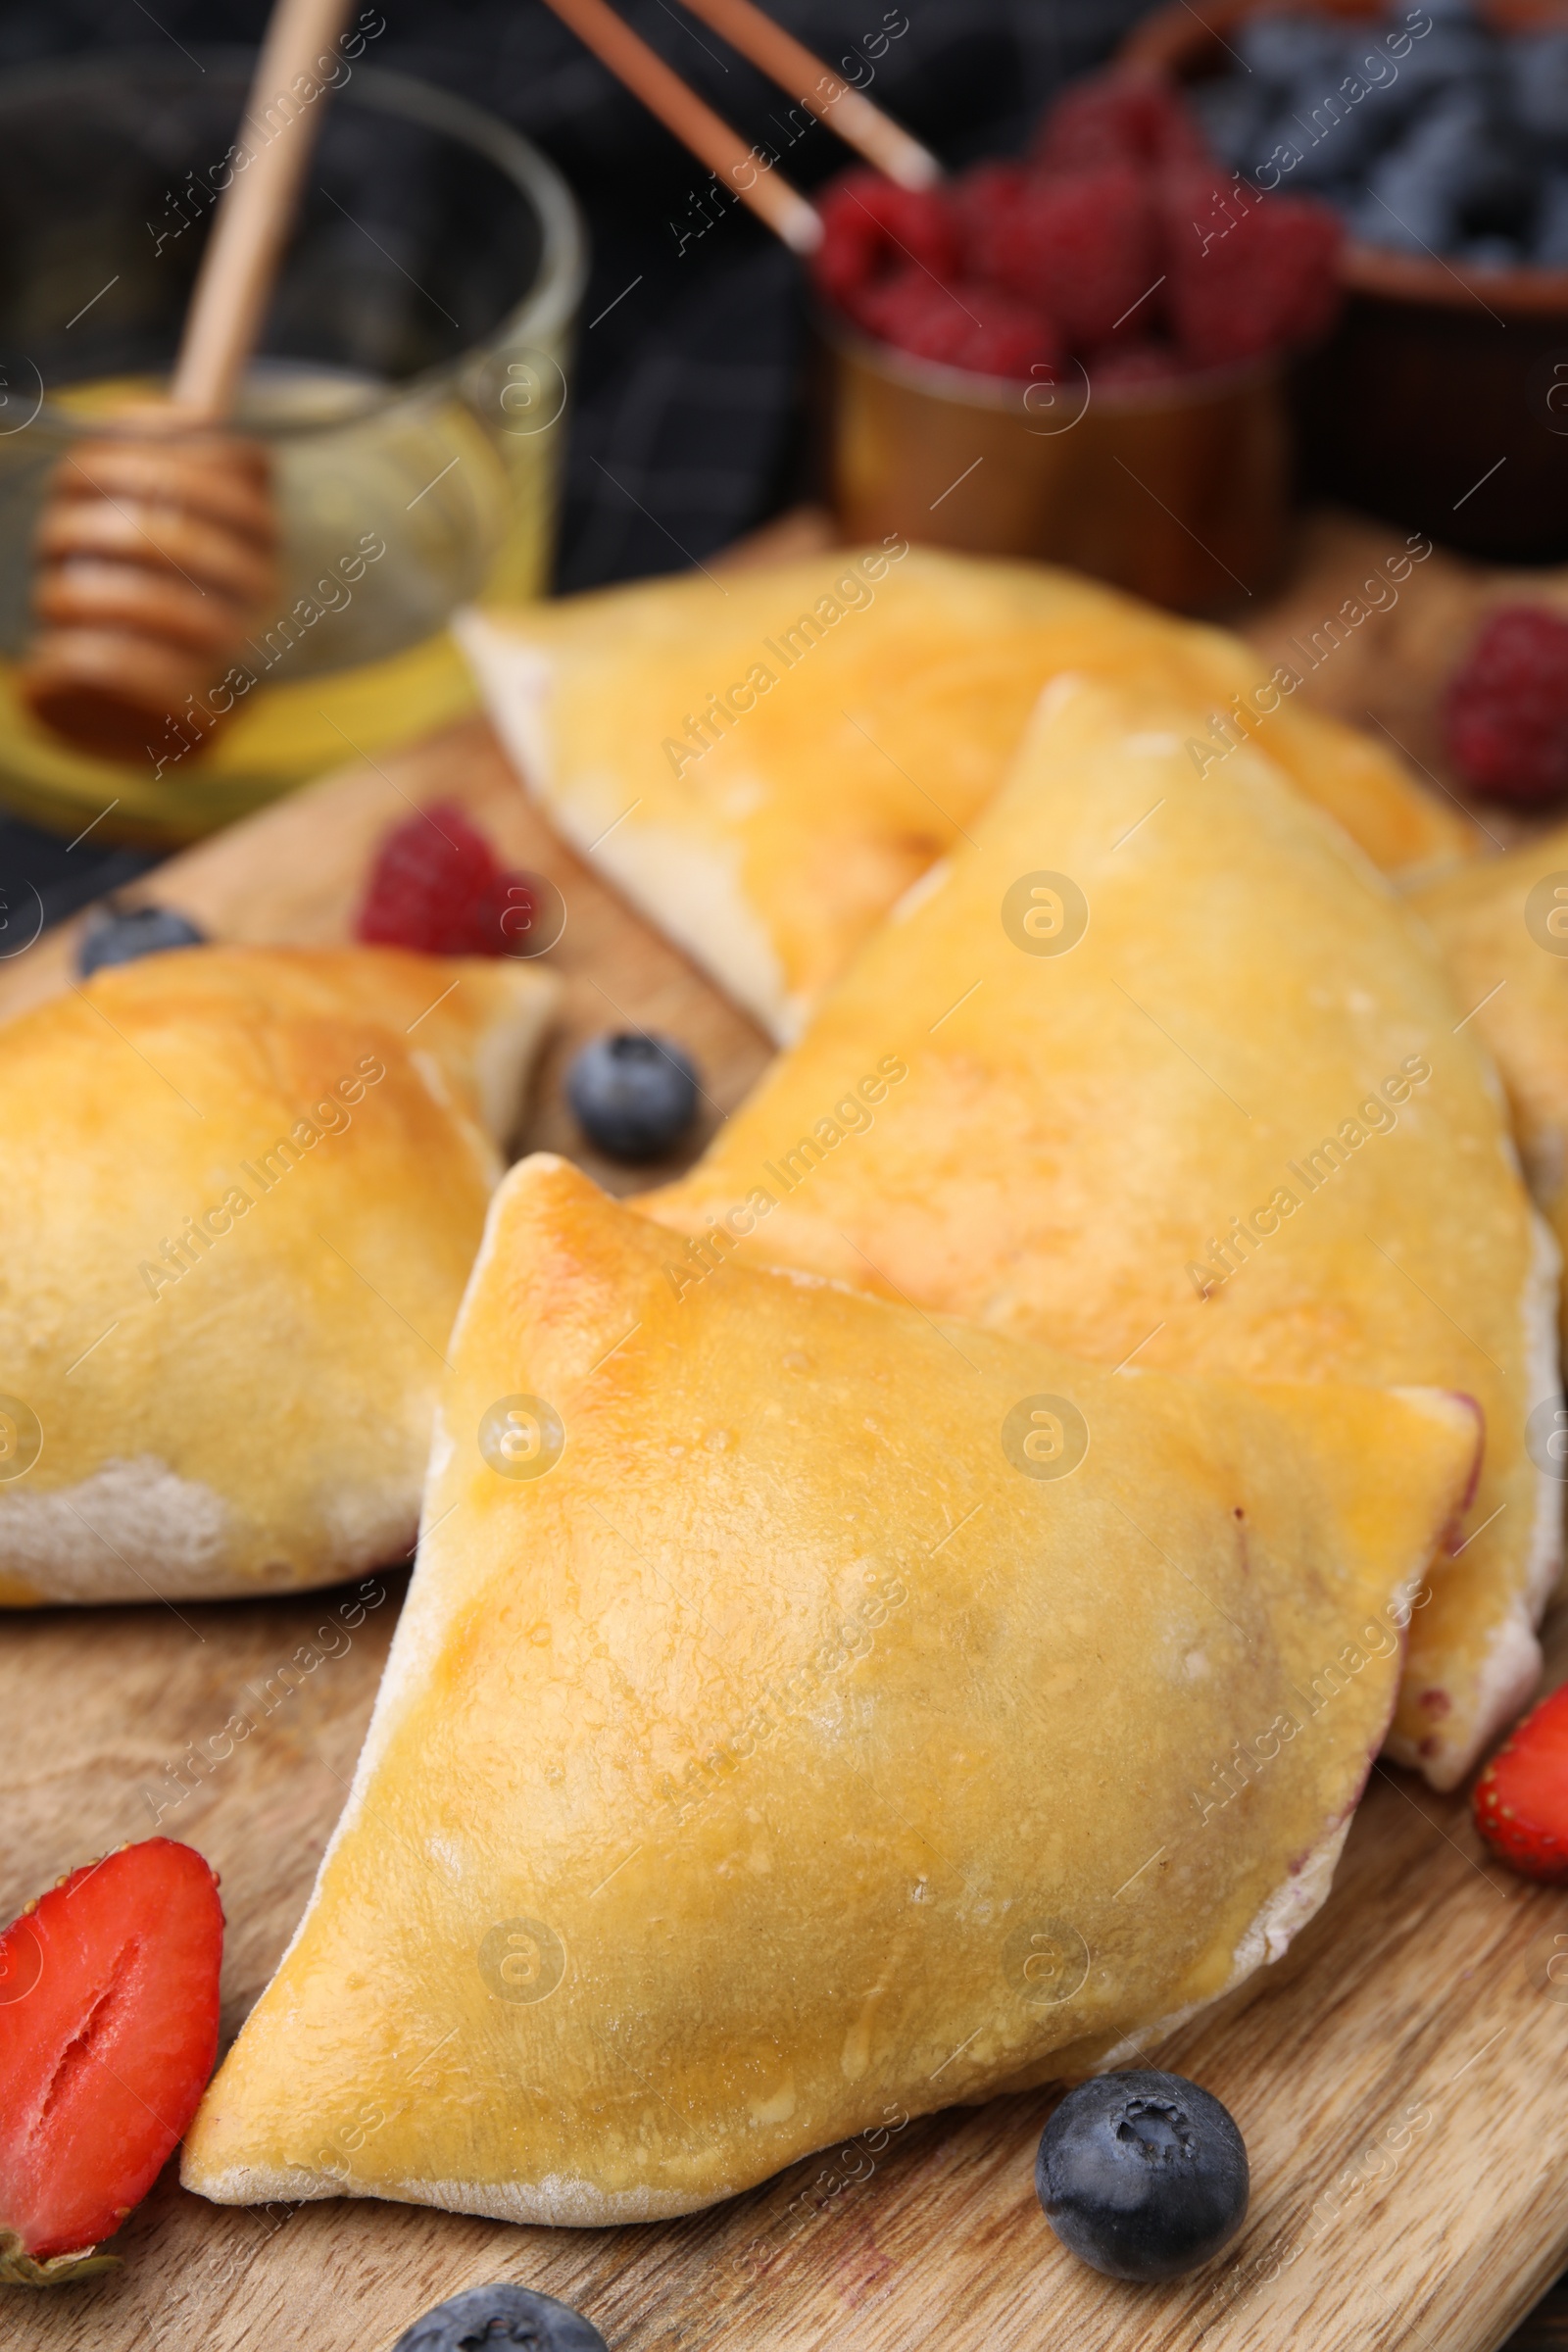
x: 1438, y: 130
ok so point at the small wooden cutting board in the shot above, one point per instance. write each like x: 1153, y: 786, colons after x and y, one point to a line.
x: 1399, y: 2076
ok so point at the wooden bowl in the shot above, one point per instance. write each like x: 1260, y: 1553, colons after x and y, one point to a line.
x: 1176, y: 492
x: 1442, y: 401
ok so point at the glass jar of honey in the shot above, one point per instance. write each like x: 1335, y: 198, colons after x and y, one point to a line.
x: 411, y: 389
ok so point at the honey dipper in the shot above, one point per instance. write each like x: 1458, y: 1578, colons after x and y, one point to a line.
x: 157, y: 548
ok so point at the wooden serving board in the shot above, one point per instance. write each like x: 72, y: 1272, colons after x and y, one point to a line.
x: 1399, y: 2076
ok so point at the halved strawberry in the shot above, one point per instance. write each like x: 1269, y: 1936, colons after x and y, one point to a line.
x: 1521, y: 1798
x: 108, y: 2033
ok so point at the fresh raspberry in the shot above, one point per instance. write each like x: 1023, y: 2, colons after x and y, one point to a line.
x: 870, y: 229
x: 911, y: 311
x: 1506, y: 709
x: 437, y: 887
x: 984, y: 201
x: 1012, y: 339
x: 1121, y: 118
x: 1080, y: 245
x: 979, y: 328
x: 1245, y: 272
x: 1128, y: 366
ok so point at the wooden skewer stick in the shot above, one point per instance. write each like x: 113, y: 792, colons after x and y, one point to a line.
x: 833, y: 100
x: 257, y: 211
x: 662, y: 90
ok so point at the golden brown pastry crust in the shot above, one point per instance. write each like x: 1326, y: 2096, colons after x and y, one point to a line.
x: 787, y: 1754
x: 243, y: 1188
x: 1502, y: 929
x: 880, y: 699
x: 1198, y: 1136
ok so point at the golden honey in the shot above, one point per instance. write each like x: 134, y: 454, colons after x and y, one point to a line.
x: 398, y: 506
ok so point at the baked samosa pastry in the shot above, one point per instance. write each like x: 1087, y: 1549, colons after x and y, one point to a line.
x: 1503, y: 932
x: 765, y: 764
x: 1158, y: 1068
x: 800, y: 1706
x: 243, y: 1190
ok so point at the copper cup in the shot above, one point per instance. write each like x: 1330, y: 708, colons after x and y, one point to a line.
x: 1177, y: 491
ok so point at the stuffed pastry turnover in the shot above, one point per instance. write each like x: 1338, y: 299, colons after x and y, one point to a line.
x: 243, y: 1189
x: 765, y: 764
x: 1503, y: 932
x: 803, y: 1705
x: 1159, y: 1070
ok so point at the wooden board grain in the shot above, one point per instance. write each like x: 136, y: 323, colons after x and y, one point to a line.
x: 1396, y: 2075
x: 1397, y: 2078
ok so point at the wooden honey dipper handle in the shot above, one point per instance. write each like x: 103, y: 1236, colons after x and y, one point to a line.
x: 157, y: 548
x: 257, y: 210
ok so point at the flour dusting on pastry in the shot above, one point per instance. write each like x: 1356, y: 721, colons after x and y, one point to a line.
x: 134, y: 1529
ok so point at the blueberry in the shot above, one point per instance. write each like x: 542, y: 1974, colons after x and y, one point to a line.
x: 1453, y: 178
x: 1283, y: 49
x: 138, y: 931
x: 1411, y: 205
x: 500, y: 2315
x: 634, y: 1095
x: 1490, y: 253
x: 1442, y: 12
x: 1141, y: 2175
x: 1452, y: 58
x: 1328, y: 137
x: 1539, y: 64
x: 1551, y: 246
